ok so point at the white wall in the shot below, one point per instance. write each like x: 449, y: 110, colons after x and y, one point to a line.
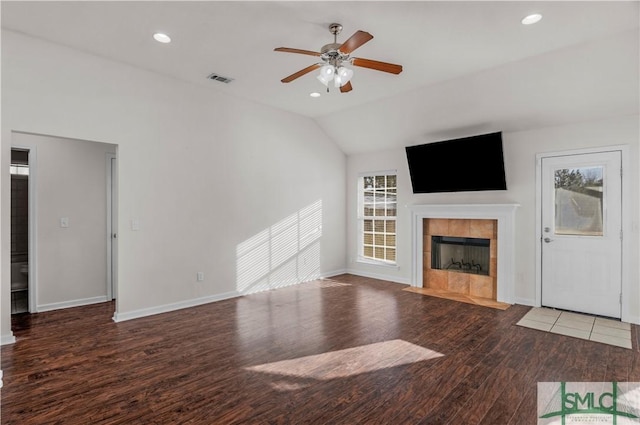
x: 202, y: 172
x: 520, y: 149
x: 588, y: 81
x: 70, y: 182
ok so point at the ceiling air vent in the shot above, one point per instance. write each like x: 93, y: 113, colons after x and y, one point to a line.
x: 216, y: 77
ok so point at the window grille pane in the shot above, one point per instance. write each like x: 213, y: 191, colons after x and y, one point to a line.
x: 368, y: 225
x: 391, y: 226
x: 368, y: 239
x: 380, y: 181
x: 391, y: 254
x: 379, y: 253
x: 379, y: 225
x: 391, y: 181
x: 379, y: 238
x: 368, y: 210
x: 391, y: 210
x: 368, y: 251
x: 368, y: 182
x: 390, y: 240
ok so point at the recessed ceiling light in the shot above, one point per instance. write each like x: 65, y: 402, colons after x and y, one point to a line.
x: 162, y: 38
x: 531, y: 19
x: 315, y: 94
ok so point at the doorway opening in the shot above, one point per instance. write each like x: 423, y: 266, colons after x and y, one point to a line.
x: 19, y: 231
x: 63, y: 203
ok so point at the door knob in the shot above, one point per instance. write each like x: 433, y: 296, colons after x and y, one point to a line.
x: 547, y: 240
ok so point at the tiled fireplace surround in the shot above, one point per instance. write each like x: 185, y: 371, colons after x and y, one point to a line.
x: 454, y: 281
x: 491, y: 221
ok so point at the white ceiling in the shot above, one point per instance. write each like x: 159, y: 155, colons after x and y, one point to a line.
x: 450, y: 51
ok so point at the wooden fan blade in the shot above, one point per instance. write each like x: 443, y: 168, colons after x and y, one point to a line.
x: 300, y: 73
x: 302, y: 52
x: 355, y: 41
x: 346, y: 88
x: 378, y: 66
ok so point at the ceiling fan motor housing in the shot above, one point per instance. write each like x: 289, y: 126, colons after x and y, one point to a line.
x: 330, y: 53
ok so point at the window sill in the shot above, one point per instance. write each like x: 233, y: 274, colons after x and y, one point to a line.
x: 377, y: 263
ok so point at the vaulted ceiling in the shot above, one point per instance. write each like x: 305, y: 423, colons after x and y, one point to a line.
x: 469, y: 67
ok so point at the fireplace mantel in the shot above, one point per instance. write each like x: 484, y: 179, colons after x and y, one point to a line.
x: 505, y: 216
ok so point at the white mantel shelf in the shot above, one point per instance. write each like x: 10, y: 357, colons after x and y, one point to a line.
x: 505, y: 216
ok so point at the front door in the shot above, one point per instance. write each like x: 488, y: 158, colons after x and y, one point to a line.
x: 582, y: 232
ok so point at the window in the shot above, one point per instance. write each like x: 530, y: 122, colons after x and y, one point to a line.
x: 377, y: 204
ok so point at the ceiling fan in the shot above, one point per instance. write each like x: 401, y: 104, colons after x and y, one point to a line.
x: 334, y: 56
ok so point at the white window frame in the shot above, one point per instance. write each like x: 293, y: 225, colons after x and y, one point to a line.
x: 361, y: 219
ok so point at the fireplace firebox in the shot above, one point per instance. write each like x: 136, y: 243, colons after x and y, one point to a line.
x: 460, y: 254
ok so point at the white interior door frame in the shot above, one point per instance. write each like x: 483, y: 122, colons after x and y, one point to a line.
x: 626, y: 223
x: 112, y: 246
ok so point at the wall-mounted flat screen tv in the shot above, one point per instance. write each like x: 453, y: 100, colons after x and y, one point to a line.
x: 458, y: 165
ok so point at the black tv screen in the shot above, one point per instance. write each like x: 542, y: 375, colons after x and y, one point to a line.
x: 459, y: 165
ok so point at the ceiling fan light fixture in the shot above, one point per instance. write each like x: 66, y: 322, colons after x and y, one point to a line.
x: 323, y: 80
x: 326, y: 74
x: 327, y: 71
x: 345, y: 74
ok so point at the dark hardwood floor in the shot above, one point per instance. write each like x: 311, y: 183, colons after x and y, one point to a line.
x: 349, y: 350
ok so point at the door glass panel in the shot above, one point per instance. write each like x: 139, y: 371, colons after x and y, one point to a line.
x: 578, y: 201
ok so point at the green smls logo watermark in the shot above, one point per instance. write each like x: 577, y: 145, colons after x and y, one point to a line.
x: 561, y: 403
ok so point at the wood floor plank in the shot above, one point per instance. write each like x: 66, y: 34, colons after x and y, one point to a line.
x: 286, y: 356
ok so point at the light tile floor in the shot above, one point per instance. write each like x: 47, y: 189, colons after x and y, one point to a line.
x: 593, y: 328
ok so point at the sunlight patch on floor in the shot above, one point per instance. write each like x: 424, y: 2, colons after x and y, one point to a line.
x: 345, y: 363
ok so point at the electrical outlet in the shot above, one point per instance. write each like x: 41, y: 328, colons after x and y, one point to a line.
x: 200, y: 276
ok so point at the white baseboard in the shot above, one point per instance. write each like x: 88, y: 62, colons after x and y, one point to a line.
x: 135, y: 314
x: 7, y: 339
x: 72, y: 303
x: 121, y: 317
x: 524, y: 301
x: 394, y: 279
x: 333, y: 273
